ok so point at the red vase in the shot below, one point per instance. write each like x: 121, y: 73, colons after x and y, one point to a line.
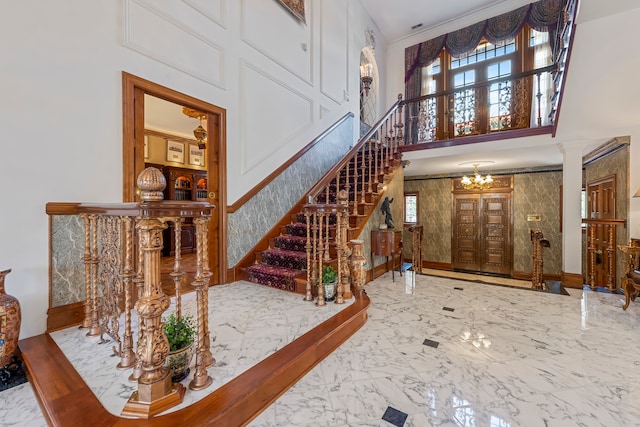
x: 9, y: 323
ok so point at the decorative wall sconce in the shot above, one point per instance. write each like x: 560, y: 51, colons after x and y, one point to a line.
x: 199, y: 133
x: 366, y: 76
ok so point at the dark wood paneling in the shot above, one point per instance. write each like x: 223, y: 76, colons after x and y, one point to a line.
x: 65, y: 316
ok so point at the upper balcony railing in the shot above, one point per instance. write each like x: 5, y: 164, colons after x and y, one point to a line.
x: 482, y: 111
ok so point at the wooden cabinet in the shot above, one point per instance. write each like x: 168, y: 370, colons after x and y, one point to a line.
x: 182, y: 184
x: 387, y: 243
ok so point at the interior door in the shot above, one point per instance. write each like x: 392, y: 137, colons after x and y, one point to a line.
x: 482, y: 233
x: 601, y: 205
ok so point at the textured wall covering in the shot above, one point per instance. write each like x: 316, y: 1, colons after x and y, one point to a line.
x: 537, y: 193
x: 615, y: 163
x: 434, y: 211
x: 255, y: 218
x: 394, y: 191
x: 67, y: 267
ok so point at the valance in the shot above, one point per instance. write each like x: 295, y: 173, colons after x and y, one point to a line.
x: 541, y: 16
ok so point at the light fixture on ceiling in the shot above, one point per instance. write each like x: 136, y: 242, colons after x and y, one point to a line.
x: 478, y: 182
x: 200, y: 133
x: 366, y: 76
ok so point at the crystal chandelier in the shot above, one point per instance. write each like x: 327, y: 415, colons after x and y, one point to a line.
x: 478, y: 182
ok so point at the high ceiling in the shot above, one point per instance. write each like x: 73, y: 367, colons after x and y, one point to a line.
x: 395, y: 21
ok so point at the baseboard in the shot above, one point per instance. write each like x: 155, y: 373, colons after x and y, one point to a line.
x: 572, y: 280
x: 64, y: 316
x: 435, y: 265
x: 526, y: 275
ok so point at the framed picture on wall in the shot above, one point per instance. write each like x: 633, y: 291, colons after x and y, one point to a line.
x: 175, y: 151
x: 296, y: 7
x: 196, y: 155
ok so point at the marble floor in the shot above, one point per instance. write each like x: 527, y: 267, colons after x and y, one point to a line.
x: 447, y: 352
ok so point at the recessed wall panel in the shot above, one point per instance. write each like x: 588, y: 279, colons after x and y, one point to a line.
x: 215, y: 10
x: 270, y: 29
x: 151, y: 33
x: 334, y: 47
x: 271, y: 113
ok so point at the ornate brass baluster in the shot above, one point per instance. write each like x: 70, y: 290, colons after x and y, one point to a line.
x: 178, y: 272
x: 94, y: 329
x: 127, y: 356
x: 88, y: 303
x: 201, y: 379
x: 320, y: 301
x: 139, y: 283
x: 308, y: 246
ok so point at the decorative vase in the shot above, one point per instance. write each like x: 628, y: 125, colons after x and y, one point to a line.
x: 178, y: 362
x: 9, y: 323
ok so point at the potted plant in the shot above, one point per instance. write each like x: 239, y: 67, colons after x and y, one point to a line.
x: 329, y: 281
x: 180, y: 332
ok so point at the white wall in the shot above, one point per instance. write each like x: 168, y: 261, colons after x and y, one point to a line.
x: 281, y: 82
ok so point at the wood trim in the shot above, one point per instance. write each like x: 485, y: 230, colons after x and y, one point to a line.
x: 526, y: 275
x: 133, y: 90
x: 65, y: 399
x: 64, y: 316
x: 256, y: 189
x: 472, y: 139
x: 437, y: 265
x: 572, y: 280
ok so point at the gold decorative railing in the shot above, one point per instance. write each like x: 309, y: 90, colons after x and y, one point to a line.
x: 327, y: 228
x: 602, y: 231
x: 348, y: 193
x: 458, y: 113
x: 123, y: 244
x: 363, y: 169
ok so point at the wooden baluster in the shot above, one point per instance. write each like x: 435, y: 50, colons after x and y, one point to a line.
x: 363, y: 175
x: 326, y: 200
x: 88, y: 303
x: 308, y: 245
x: 377, y: 163
x: 610, y: 258
x: 155, y: 391
x: 94, y: 329
x: 178, y: 272
x: 127, y: 355
x: 370, y: 145
x: 314, y: 248
x: 355, y: 184
x: 327, y: 254
x: 387, y: 142
x: 592, y: 256
x: 139, y: 283
x: 201, y: 378
x: 320, y: 301
x: 400, y: 132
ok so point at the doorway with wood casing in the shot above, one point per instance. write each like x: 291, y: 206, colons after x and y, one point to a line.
x: 482, y: 228
x: 134, y: 90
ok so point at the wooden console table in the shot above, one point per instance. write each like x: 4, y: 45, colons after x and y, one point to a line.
x: 387, y: 243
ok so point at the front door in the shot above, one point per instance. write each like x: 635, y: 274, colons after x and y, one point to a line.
x: 482, y: 229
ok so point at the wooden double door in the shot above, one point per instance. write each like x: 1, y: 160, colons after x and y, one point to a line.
x: 482, y: 238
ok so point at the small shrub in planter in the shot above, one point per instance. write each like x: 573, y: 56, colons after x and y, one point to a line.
x: 181, y: 333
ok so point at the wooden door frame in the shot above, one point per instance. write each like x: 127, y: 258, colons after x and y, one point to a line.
x: 133, y: 90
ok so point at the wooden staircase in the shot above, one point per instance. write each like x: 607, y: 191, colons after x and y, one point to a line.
x: 280, y: 260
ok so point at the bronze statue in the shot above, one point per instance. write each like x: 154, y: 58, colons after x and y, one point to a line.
x: 386, y: 211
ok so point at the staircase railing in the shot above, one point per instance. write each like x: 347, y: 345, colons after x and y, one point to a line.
x: 379, y: 148
x: 122, y: 251
x: 349, y: 190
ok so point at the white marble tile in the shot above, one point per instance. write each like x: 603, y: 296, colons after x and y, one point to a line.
x: 543, y: 359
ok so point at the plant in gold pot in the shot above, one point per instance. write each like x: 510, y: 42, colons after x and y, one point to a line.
x: 181, y: 333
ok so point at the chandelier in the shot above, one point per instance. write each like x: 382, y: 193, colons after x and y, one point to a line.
x: 200, y: 133
x: 478, y: 182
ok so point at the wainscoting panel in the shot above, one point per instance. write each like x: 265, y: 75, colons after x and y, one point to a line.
x: 271, y: 114
x: 285, y: 40
x: 167, y: 40
x: 215, y: 10
x: 66, y: 265
x: 334, y: 64
x: 255, y: 218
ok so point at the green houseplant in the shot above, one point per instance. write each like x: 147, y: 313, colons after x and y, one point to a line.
x: 329, y: 281
x: 181, y: 333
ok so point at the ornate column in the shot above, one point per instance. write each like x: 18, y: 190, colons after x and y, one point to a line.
x: 358, y: 261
